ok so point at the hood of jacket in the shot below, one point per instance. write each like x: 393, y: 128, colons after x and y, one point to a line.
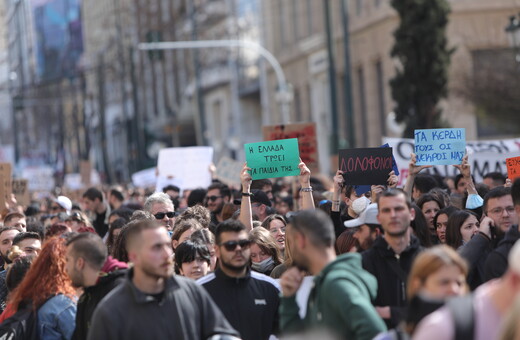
x: 348, y: 266
x: 112, y: 264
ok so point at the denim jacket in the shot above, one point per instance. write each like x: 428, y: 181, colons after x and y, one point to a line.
x: 57, y: 318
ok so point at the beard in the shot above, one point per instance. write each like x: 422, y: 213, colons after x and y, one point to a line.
x: 157, y: 272
x: 232, y: 267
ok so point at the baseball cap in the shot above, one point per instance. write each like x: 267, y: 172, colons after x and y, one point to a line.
x: 368, y: 216
x: 258, y: 197
x: 64, y: 202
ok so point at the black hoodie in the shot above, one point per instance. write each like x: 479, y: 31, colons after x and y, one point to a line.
x: 391, y: 272
x: 496, y: 262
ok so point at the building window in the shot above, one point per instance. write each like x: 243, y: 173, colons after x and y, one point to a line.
x: 381, y: 96
x: 309, y: 17
x: 362, y: 103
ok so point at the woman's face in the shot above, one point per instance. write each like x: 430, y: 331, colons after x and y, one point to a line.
x: 257, y: 254
x: 469, y: 228
x: 445, y: 282
x: 277, y: 230
x: 442, y: 224
x: 429, y: 210
x: 213, y: 257
x: 195, y: 269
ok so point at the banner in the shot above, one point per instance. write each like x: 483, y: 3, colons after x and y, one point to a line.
x: 440, y: 146
x: 307, y: 142
x: 513, y: 168
x: 273, y: 159
x: 145, y: 178
x: 484, y: 157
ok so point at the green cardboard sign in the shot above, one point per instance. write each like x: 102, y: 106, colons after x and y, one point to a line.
x: 277, y: 158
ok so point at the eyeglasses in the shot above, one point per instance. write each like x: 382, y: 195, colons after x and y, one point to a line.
x: 232, y: 245
x: 498, y: 211
x: 213, y: 198
x: 161, y: 215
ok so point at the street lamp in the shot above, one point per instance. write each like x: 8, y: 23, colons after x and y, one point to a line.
x: 513, y: 31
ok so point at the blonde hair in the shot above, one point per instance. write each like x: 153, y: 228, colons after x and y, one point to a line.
x: 429, y: 262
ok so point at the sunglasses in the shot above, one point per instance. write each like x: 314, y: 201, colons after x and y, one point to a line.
x: 232, y: 245
x: 213, y: 198
x: 161, y: 215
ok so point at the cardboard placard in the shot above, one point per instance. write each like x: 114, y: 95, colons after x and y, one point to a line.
x: 366, y: 166
x: 145, y: 178
x: 189, y: 166
x: 513, y: 168
x: 307, y: 141
x: 273, y: 159
x: 228, y: 171
x: 440, y: 146
x: 5, y: 183
x: 21, y: 191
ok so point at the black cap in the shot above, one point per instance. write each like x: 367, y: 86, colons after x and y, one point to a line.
x: 258, y: 197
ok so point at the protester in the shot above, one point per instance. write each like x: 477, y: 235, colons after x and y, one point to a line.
x: 481, y: 313
x: 93, y: 202
x: 7, y: 235
x: 265, y: 252
x: 340, y: 298
x: 366, y: 228
x: 277, y: 271
x: 15, y: 219
x: 346, y: 242
x: 54, y: 298
x: 390, y: 258
x: 208, y: 238
x: 113, y: 233
x: 77, y: 220
x: 276, y: 225
x: 440, y: 221
x: 29, y: 243
x: 253, y: 310
x: 152, y: 294
x: 115, y: 198
x: 61, y: 204
x: 14, y: 276
x: 420, y: 229
x: 494, y: 179
x: 429, y: 206
x: 462, y: 226
x: 216, y: 196
x: 90, y: 268
x: 192, y: 259
x: 198, y: 212
x: 161, y: 207
x: 183, y: 229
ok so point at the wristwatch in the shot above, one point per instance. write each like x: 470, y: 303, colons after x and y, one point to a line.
x: 247, y: 194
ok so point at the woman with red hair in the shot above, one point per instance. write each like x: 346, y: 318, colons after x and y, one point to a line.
x: 48, y: 288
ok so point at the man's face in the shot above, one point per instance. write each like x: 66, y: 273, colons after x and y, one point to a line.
x: 73, y: 268
x: 461, y: 186
x: 502, y: 211
x: 162, y: 209
x: 298, y: 254
x: 89, y: 204
x: 154, y: 255
x: 18, y: 222
x: 394, y: 215
x: 233, y: 259
x: 258, y: 209
x: 215, y: 201
x: 6, y: 242
x: 30, y: 246
x: 365, y: 237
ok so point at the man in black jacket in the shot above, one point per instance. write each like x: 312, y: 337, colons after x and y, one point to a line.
x: 152, y: 303
x: 497, y: 260
x: 391, y: 256
x: 249, y: 300
x: 89, y: 267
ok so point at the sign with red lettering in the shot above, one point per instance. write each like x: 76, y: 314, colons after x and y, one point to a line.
x: 366, y: 166
x: 513, y: 168
x: 307, y: 142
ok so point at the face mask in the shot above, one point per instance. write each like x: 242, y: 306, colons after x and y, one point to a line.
x: 360, y: 204
x: 263, y: 266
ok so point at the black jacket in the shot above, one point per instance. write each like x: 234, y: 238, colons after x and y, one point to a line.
x: 90, y: 298
x: 497, y: 262
x: 249, y: 303
x: 391, y: 272
x: 185, y: 311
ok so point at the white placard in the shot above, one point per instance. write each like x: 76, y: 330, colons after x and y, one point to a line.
x: 484, y: 157
x: 228, y: 171
x: 74, y: 182
x: 190, y: 166
x: 40, y: 178
x: 145, y: 178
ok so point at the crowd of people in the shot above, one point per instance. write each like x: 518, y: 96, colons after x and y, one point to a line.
x: 306, y: 257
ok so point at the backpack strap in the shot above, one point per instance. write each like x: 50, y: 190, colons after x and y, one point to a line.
x: 463, y: 314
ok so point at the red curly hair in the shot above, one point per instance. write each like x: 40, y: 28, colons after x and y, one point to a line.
x: 46, y: 277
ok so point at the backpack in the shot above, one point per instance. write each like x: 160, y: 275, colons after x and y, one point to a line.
x: 22, y: 325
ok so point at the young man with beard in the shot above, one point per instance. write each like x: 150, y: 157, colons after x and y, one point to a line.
x: 249, y: 300
x: 368, y: 227
x: 161, y: 207
x: 391, y: 256
x: 339, y: 301
x: 218, y: 194
x: 89, y: 267
x: 152, y: 303
x: 7, y: 235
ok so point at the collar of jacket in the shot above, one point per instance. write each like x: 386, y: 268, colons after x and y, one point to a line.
x: 384, y: 249
x: 237, y: 280
x: 142, y: 297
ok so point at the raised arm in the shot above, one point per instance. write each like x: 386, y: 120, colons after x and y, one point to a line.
x: 413, y: 171
x: 245, y: 206
x: 306, y: 190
